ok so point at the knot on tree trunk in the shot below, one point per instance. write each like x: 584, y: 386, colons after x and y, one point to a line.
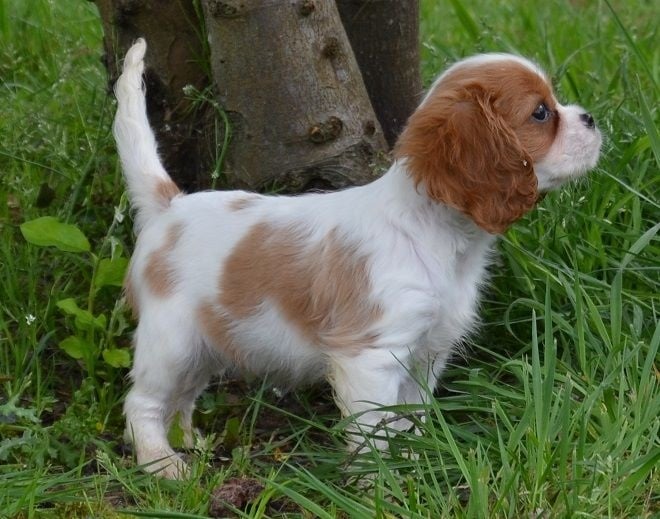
x: 306, y: 7
x: 326, y: 131
x: 225, y: 9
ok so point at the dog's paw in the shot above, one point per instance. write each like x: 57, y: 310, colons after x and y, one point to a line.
x: 164, y: 464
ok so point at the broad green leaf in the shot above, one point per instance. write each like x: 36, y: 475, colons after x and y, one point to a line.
x: 117, y: 357
x: 175, y: 434
x: 69, y: 306
x: 48, y: 231
x: 85, y: 320
x: 232, y: 432
x: 111, y: 272
x: 76, y: 347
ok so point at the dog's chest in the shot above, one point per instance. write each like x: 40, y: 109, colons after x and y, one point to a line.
x: 458, y: 310
x: 453, y: 292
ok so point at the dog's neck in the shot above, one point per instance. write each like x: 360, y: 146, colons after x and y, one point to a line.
x: 402, y: 195
x: 395, y: 199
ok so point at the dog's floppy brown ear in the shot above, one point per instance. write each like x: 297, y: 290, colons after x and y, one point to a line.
x: 465, y: 155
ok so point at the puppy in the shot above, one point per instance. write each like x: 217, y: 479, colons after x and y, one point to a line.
x: 370, y: 288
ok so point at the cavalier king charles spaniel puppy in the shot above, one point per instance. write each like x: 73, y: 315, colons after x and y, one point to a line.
x: 370, y: 288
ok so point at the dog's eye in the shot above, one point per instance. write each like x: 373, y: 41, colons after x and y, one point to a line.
x: 542, y: 113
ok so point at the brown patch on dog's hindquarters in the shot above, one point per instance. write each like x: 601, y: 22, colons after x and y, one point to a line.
x: 322, y: 289
x: 160, y: 273
x: 217, y: 328
x: 130, y: 295
x: 166, y: 190
x: 243, y: 202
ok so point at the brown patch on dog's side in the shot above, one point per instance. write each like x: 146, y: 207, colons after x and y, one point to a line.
x: 322, y: 288
x: 165, y: 191
x: 216, y: 327
x: 159, y: 273
x: 243, y: 202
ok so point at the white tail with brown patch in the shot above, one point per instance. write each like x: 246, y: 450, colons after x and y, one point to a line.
x: 149, y: 186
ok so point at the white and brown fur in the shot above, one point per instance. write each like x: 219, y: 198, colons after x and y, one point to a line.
x: 370, y: 288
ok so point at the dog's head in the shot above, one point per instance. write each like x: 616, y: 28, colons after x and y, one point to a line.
x: 490, y: 136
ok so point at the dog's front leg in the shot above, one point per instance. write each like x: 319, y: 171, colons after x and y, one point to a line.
x: 363, y: 383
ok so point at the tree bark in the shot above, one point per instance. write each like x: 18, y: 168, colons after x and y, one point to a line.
x: 289, y: 83
x: 286, y: 77
x: 384, y: 35
x: 176, y: 58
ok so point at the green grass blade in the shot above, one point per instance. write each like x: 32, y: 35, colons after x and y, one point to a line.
x: 465, y: 18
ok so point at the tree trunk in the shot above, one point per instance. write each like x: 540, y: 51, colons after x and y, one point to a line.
x: 290, y: 85
x: 176, y: 58
x: 384, y: 35
x: 286, y: 79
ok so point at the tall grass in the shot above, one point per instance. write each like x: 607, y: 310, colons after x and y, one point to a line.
x: 553, y: 410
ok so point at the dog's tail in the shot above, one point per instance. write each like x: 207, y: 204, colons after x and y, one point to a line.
x: 149, y: 186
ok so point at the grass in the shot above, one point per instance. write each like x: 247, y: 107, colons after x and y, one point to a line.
x: 553, y: 410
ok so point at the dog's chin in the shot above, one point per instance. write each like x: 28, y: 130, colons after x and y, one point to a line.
x: 549, y: 180
x: 556, y: 182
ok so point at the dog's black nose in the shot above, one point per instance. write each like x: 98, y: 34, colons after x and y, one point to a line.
x: 588, y: 121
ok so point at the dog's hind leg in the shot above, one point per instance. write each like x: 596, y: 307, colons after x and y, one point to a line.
x: 166, y: 361
x: 183, y: 404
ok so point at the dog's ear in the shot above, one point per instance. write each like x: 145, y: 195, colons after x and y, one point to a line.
x: 464, y: 154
